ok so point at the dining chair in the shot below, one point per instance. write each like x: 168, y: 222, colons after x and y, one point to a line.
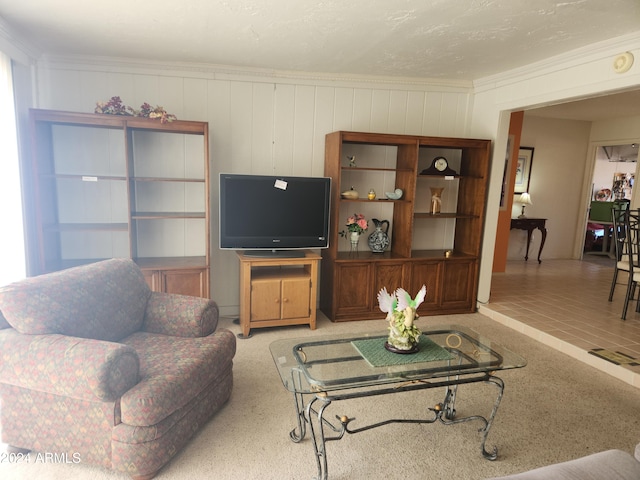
x: 619, y: 214
x: 633, y: 249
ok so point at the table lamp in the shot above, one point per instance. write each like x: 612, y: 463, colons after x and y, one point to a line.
x: 524, y: 199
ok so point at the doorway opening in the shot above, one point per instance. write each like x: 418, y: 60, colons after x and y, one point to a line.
x: 611, y: 185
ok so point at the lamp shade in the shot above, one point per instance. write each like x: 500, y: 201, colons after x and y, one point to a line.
x: 525, y: 199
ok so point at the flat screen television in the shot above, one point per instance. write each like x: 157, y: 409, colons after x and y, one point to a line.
x: 272, y: 215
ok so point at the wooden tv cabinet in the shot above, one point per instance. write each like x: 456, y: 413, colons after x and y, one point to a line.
x: 277, y: 291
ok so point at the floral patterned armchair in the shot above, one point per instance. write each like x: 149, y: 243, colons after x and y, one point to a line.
x: 96, y: 366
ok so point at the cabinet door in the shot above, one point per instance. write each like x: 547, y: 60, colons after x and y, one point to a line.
x: 426, y: 273
x: 295, y: 297
x: 389, y: 276
x: 457, y: 284
x: 153, y: 280
x: 186, y: 282
x: 353, y: 288
x: 265, y: 299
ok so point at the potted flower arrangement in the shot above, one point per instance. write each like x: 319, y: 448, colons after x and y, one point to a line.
x: 356, y: 225
x: 401, y: 313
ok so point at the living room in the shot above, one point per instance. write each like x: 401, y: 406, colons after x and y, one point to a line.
x: 274, y: 121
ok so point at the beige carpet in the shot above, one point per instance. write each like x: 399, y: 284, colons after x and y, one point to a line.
x: 554, y: 409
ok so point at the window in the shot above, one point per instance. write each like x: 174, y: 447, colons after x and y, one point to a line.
x: 12, y: 252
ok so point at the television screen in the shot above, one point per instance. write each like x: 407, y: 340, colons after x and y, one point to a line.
x: 274, y: 215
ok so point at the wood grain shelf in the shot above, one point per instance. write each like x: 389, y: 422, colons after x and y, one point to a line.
x: 88, y: 168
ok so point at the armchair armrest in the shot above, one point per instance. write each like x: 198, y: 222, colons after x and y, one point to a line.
x: 81, y: 368
x: 180, y: 315
x: 3, y: 322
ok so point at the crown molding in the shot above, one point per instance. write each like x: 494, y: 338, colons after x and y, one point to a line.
x: 595, y: 52
x: 228, y: 72
x: 16, y: 46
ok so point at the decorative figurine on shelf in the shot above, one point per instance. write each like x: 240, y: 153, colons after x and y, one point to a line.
x: 401, y: 313
x: 350, y: 194
x: 352, y: 160
x: 436, y: 200
x: 395, y: 195
x: 372, y: 194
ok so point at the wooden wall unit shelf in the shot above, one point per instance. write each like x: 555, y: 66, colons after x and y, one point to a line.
x: 108, y: 186
x: 277, y: 291
x: 350, y: 280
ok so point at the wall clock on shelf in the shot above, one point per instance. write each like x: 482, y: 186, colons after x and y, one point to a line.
x: 439, y: 166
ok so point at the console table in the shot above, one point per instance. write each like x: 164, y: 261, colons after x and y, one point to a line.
x: 530, y: 224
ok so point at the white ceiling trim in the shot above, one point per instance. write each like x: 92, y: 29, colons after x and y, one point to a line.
x: 606, y: 50
x: 226, y: 72
x: 18, y: 49
x: 592, y: 65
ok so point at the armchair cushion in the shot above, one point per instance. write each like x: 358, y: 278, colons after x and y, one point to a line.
x: 173, y: 371
x: 104, y: 300
x: 68, y: 366
x: 607, y: 465
x: 180, y: 315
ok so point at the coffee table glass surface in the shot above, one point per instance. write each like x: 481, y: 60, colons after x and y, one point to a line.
x: 326, y: 369
x: 335, y: 362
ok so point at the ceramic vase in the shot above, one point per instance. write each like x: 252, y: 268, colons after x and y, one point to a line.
x: 354, y: 238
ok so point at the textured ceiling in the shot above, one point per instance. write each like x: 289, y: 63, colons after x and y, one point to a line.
x: 460, y: 40
x: 437, y: 39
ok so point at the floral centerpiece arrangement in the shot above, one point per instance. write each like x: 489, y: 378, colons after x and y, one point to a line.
x: 115, y: 107
x: 401, y: 313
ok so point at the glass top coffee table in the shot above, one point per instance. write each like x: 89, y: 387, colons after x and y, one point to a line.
x: 326, y: 369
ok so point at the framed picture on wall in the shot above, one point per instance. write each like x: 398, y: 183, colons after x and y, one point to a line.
x: 523, y: 172
x: 507, y: 169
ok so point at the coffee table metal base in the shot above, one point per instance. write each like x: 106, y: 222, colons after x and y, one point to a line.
x: 310, y: 411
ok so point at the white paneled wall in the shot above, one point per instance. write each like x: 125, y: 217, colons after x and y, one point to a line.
x: 260, y: 125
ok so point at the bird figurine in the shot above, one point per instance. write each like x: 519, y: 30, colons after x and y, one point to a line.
x: 401, y: 313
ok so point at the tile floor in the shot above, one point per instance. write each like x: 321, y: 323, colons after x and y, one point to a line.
x: 564, y: 304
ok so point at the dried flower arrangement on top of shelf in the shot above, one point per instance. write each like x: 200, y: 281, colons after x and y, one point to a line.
x: 115, y: 107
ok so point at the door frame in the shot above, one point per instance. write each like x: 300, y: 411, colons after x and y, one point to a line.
x: 587, y: 189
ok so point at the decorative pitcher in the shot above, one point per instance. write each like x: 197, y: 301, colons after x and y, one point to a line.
x: 378, y: 239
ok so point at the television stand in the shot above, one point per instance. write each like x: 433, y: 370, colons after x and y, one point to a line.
x: 278, y: 291
x: 275, y: 253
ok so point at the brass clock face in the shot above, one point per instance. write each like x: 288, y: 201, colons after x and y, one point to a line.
x: 441, y: 164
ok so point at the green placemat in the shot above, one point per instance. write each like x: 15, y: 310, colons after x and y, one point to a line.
x: 373, y: 351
